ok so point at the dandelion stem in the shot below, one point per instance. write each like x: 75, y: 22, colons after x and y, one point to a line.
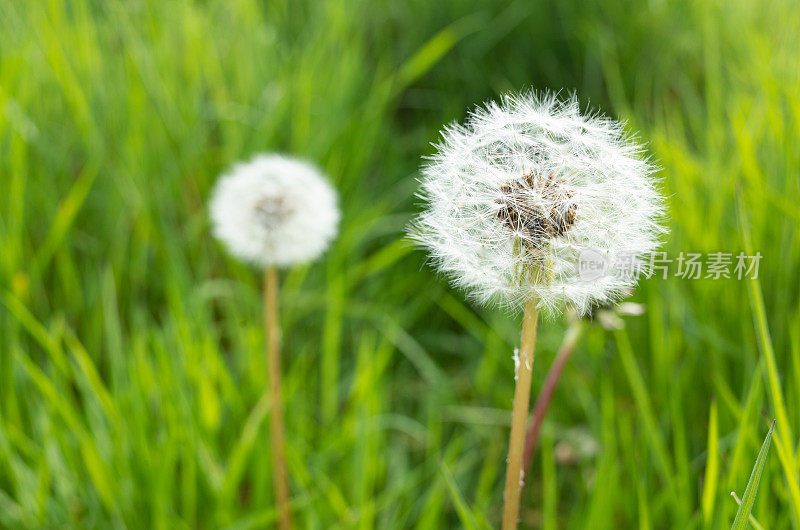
x: 548, y: 388
x: 519, y: 417
x: 272, y: 328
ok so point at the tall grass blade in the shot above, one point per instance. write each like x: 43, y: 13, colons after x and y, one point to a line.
x: 743, y: 515
x: 784, y: 438
x: 712, y: 466
x: 753, y: 520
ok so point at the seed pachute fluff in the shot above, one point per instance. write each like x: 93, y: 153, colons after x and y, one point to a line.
x: 515, y: 199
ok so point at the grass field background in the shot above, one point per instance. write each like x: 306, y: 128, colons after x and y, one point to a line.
x: 132, y: 377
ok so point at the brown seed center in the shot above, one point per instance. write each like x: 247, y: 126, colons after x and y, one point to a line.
x: 537, y: 209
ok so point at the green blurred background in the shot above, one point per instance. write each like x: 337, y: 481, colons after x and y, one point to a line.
x: 132, y: 376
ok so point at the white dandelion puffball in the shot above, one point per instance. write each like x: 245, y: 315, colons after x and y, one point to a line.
x: 529, y: 199
x: 274, y: 210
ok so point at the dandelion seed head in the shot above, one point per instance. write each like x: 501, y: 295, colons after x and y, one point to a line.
x: 274, y: 210
x: 516, y: 194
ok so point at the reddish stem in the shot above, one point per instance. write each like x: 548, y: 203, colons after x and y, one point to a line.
x: 548, y: 388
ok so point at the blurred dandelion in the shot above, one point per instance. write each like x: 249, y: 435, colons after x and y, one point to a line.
x: 275, y: 211
x: 515, y: 198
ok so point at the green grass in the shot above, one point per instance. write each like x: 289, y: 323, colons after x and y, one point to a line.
x: 743, y: 515
x: 131, y: 367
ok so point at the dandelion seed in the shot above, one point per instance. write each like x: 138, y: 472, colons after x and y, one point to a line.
x: 515, y: 357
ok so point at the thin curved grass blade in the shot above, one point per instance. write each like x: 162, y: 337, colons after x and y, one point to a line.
x: 742, y: 516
